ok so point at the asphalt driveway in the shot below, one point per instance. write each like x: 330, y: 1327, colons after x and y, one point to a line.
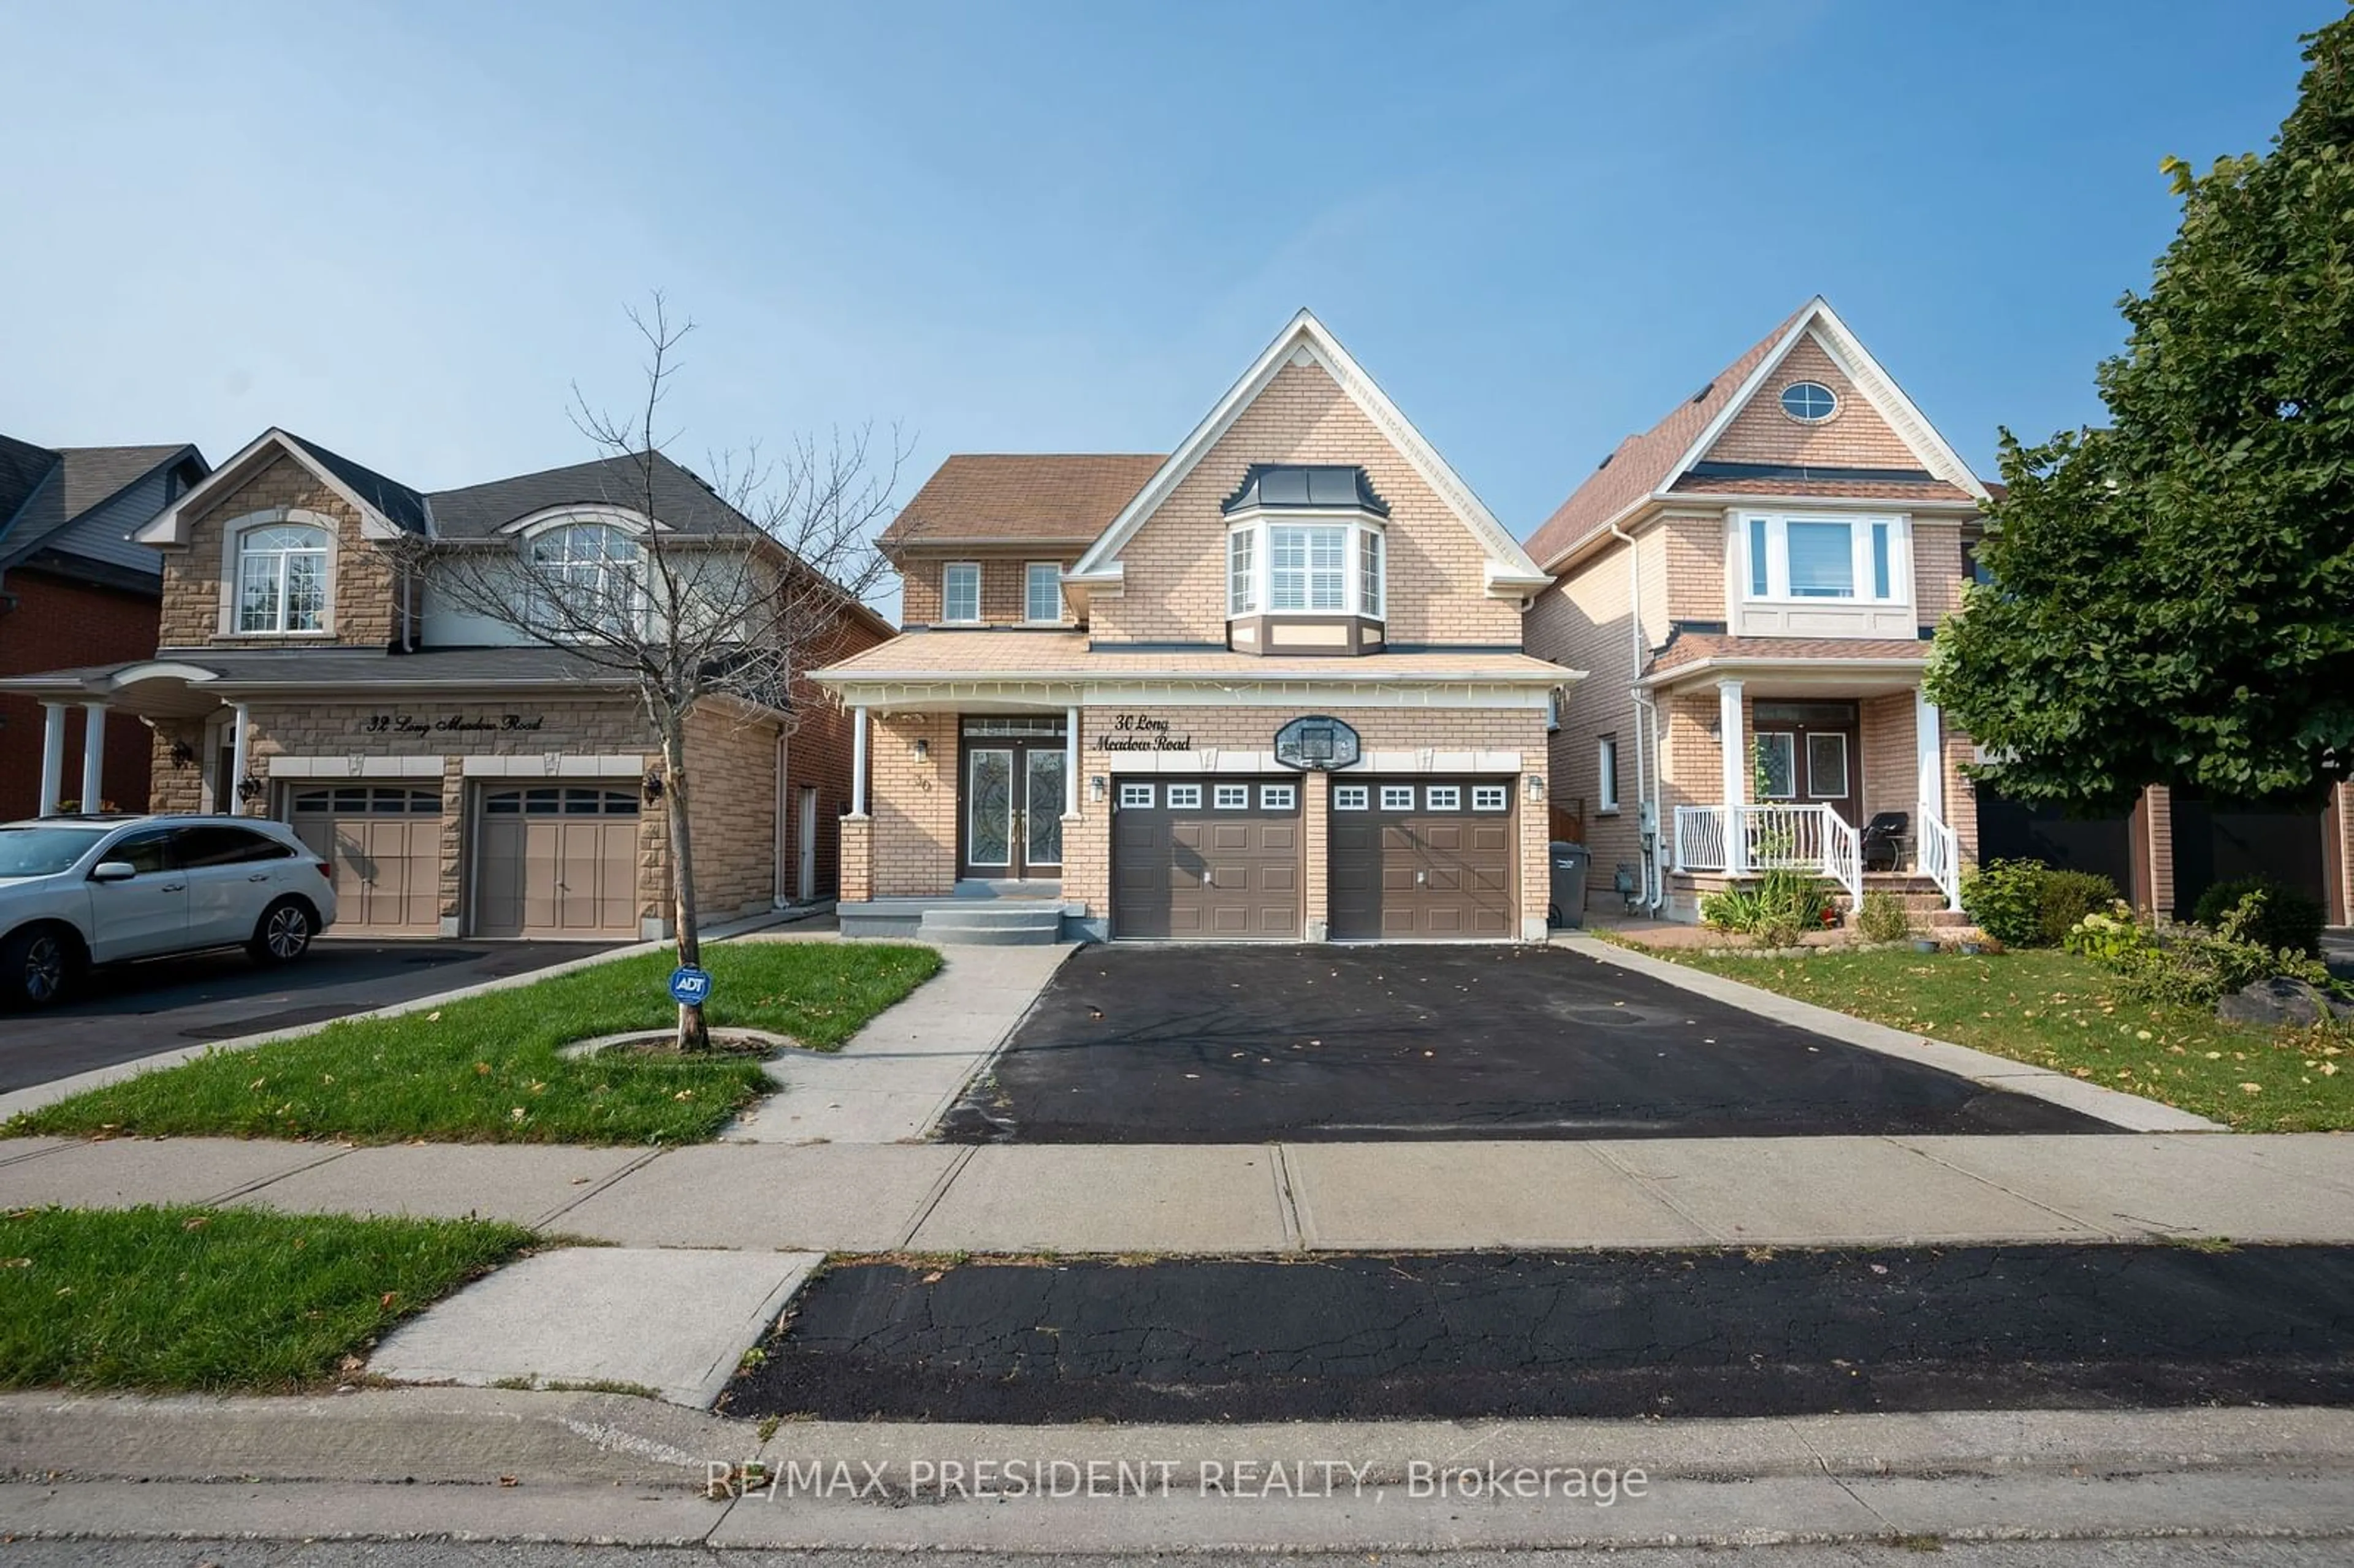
x: 129, y: 1010
x: 1240, y: 1045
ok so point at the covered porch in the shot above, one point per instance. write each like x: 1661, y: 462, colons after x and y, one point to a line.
x: 163, y: 694
x: 1842, y: 768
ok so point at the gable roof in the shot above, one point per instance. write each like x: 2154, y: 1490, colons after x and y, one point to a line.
x: 1306, y: 340
x: 44, y: 492
x: 683, y: 502
x: 387, y: 508
x: 1653, y: 464
x: 1047, y: 497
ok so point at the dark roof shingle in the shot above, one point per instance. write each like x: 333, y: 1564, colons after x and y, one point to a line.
x: 681, y: 500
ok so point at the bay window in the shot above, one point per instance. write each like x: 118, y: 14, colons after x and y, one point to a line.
x: 1855, y: 559
x: 1311, y: 568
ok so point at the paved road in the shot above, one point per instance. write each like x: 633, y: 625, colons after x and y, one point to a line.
x: 1239, y: 1044
x: 130, y: 1010
x: 2162, y: 1552
x: 1594, y: 1334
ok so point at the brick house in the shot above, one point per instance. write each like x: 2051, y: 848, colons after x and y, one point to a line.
x: 76, y: 590
x: 463, y: 778
x: 1753, y: 582
x: 1269, y: 685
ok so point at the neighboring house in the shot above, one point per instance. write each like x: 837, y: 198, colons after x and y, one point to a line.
x: 76, y: 590
x: 462, y: 779
x: 1269, y: 686
x: 1753, y: 583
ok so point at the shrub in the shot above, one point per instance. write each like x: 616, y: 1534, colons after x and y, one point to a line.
x: 2068, y: 896
x: 1784, y: 905
x: 2187, y: 964
x: 2286, y: 918
x: 2004, y: 898
x: 1735, y: 909
x: 1883, y: 918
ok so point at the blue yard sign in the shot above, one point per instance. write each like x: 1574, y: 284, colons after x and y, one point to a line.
x: 690, y: 986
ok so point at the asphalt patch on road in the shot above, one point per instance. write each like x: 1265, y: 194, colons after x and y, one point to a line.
x: 1463, y: 1336
x: 1241, y: 1045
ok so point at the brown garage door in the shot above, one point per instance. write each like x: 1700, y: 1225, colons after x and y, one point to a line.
x: 557, y: 861
x: 1427, y: 858
x: 384, y: 843
x: 1206, y: 860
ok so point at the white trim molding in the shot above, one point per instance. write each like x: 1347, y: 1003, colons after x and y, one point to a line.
x: 232, y: 564
x: 355, y: 766
x: 558, y: 764
x: 170, y: 526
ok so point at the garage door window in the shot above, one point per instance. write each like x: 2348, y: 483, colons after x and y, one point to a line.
x: 1398, y: 796
x: 1278, y: 797
x: 1490, y: 798
x: 568, y: 802
x: 1350, y: 797
x: 1184, y: 797
x: 1135, y: 794
x: 1234, y: 797
x: 1444, y: 798
x: 376, y: 802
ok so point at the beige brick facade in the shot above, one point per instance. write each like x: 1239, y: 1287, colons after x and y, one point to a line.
x: 1856, y: 437
x: 1005, y: 582
x: 1175, y: 587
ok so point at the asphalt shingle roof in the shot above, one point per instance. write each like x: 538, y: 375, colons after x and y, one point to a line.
x: 975, y: 497
x: 681, y: 500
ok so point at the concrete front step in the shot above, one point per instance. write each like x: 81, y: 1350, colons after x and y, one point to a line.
x: 994, y: 925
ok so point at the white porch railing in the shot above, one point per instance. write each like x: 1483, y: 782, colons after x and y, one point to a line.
x: 1739, y: 839
x: 1939, y: 855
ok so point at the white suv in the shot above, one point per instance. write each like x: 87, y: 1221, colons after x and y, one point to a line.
x: 78, y: 891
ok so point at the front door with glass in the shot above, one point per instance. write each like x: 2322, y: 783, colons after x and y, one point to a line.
x: 1014, y: 794
x: 1807, y: 754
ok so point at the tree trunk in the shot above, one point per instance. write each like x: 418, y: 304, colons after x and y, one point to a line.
x: 692, y: 1034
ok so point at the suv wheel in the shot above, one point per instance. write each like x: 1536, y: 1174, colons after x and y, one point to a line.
x: 36, y: 964
x: 283, y: 934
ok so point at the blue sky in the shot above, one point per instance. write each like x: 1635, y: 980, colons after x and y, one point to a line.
x: 406, y: 229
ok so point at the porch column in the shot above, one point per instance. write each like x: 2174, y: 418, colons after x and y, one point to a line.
x: 858, y: 762
x: 240, y: 759
x: 1070, y: 762
x: 53, y: 756
x: 93, y: 754
x: 1929, y: 753
x: 1736, y: 774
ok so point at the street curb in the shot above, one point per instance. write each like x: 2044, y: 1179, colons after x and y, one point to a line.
x: 2115, y: 1107
x: 17, y: 1102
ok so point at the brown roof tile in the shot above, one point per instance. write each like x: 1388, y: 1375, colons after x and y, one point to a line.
x: 1066, y: 655
x: 1641, y: 463
x: 980, y: 496
x: 1866, y: 489
x: 1691, y: 649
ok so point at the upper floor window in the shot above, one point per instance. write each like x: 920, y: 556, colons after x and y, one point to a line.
x: 1041, y: 592
x: 594, y: 568
x: 1861, y: 559
x: 1810, y: 402
x: 1315, y: 569
x: 961, y: 591
x: 282, y: 578
x: 1307, y: 567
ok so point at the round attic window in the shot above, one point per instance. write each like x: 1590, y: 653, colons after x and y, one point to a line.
x: 1810, y: 402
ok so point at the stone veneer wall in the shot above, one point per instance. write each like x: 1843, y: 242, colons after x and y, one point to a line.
x: 363, y: 596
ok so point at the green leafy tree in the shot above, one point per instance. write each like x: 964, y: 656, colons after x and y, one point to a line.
x: 2173, y: 595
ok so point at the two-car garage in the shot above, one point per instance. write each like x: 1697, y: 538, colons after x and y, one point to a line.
x: 1225, y: 859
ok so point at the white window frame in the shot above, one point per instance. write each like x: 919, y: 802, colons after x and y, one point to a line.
x: 1231, y: 797
x: 1278, y: 796
x: 1134, y: 793
x: 1049, y: 572
x: 1606, y: 769
x: 1398, y: 796
x: 1184, y: 797
x: 1443, y: 797
x: 1352, y: 797
x: 1861, y: 551
x: 244, y: 549
x: 1363, y: 574
x: 1491, y: 797
x: 616, y: 578
x: 947, y: 594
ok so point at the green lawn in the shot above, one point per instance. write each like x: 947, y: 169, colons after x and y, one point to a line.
x: 162, y: 1299
x: 485, y: 1069
x: 2058, y: 1011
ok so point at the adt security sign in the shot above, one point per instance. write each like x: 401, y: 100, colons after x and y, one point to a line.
x: 690, y: 986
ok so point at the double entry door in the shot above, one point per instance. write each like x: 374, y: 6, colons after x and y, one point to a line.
x: 1806, y: 756
x: 1015, y: 778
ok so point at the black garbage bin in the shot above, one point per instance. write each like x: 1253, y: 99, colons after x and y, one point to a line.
x: 1569, y: 866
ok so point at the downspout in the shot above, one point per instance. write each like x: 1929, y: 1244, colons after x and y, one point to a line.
x: 1648, y: 853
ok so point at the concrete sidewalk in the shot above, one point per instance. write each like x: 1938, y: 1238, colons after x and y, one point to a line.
x: 1254, y: 1198
x: 589, y: 1467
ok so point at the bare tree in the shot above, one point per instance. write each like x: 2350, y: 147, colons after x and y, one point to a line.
x: 747, y: 581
